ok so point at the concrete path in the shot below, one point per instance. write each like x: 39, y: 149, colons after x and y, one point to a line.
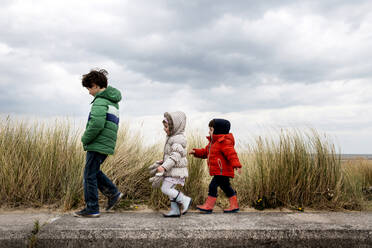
x: 133, y: 229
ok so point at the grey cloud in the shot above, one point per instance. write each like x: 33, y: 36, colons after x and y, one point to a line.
x: 201, y: 13
x: 19, y: 99
x: 181, y: 43
x: 191, y: 52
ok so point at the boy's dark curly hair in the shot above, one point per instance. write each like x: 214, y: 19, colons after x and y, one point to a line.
x: 98, y: 77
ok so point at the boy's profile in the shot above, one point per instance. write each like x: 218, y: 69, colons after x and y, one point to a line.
x: 99, y: 140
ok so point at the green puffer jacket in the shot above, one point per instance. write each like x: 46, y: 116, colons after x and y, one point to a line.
x: 102, y: 127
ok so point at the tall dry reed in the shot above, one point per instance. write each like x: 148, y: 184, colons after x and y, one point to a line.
x: 39, y: 164
x: 42, y: 164
x: 291, y: 168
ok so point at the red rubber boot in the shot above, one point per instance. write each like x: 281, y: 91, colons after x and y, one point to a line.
x: 208, y: 205
x: 234, y: 207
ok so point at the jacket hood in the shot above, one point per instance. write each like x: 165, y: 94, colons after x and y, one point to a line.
x: 176, y: 122
x: 110, y: 93
x: 221, y: 137
x: 221, y: 126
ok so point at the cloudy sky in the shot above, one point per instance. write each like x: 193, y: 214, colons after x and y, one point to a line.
x: 261, y: 64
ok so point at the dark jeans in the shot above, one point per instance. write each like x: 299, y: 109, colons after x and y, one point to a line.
x: 224, y: 183
x: 95, y: 179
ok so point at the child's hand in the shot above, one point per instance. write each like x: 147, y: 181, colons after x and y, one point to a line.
x: 192, y: 152
x: 160, y: 162
x: 239, y: 170
x: 161, y: 169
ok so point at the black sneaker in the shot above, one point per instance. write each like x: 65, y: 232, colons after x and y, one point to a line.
x: 87, y: 214
x: 113, y: 201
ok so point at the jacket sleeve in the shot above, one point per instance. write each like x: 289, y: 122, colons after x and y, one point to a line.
x: 231, y: 155
x: 96, y: 122
x: 201, y: 153
x: 177, y: 151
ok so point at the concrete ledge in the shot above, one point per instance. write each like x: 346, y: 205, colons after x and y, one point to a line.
x: 16, y: 228
x: 254, y: 229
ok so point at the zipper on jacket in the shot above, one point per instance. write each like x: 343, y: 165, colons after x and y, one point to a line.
x: 209, y: 151
x: 219, y: 165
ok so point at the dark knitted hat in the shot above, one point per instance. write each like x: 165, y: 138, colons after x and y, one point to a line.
x: 220, y: 126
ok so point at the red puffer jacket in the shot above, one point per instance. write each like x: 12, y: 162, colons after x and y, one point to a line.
x: 221, y: 155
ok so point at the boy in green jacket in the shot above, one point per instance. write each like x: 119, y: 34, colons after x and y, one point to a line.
x: 99, y: 140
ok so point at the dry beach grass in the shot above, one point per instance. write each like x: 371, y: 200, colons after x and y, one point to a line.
x: 42, y: 165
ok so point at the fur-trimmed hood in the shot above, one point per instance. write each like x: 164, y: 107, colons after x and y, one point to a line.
x: 175, y: 149
x: 176, y: 122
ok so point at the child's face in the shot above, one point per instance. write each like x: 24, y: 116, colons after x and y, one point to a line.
x: 166, y: 128
x: 211, y: 130
x: 94, y: 89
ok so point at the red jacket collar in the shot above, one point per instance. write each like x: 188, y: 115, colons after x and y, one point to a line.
x: 220, y: 137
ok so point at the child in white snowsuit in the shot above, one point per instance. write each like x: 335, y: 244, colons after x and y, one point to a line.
x: 172, y: 170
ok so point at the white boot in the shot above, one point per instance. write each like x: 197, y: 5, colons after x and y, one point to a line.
x: 185, y: 201
x: 175, y: 210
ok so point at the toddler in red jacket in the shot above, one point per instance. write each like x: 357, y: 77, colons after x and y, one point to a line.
x: 222, y: 160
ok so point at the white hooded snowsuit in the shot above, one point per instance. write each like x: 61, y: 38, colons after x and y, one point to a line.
x: 175, y: 161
